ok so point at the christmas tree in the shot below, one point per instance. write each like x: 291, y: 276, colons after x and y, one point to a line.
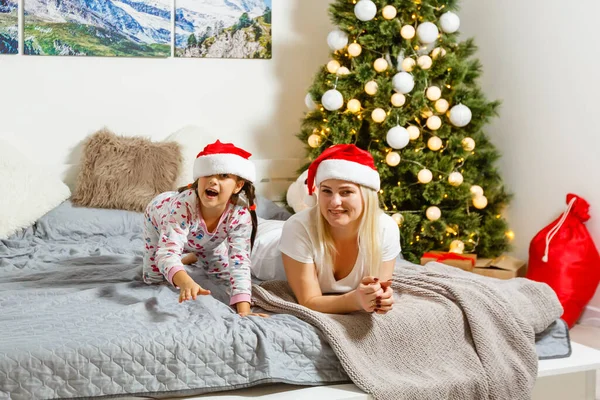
x: 401, y: 85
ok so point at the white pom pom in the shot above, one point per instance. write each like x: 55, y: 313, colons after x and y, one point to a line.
x: 403, y: 82
x: 460, y: 115
x: 450, y: 22
x: 297, y: 194
x: 397, y: 137
x: 365, y: 10
x: 332, y: 100
x: 337, y: 40
x: 427, y: 32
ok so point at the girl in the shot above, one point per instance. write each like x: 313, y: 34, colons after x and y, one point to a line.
x: 205, y: 220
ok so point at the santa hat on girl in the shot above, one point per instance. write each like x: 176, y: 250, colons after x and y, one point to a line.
x: 345, y: 162
x: 224, y: 158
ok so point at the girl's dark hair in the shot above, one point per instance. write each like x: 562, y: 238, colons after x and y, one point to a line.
x: 249, y: 189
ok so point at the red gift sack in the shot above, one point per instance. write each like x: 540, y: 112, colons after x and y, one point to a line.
x: 564, y: 256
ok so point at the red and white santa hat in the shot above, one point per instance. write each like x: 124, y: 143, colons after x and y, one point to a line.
x: 224, y: 158
x: 345, y: 162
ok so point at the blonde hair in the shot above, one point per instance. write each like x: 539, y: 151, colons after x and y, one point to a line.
x: 368, y: 233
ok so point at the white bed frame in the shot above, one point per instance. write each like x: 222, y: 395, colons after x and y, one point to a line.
x: 570, y: 378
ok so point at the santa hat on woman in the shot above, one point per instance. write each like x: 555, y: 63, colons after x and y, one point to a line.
x: 345, y: 162
x: 224, y: 158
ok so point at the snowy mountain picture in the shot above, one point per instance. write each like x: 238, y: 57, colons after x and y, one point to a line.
x: 223, y: 28
x: 130, y: 28
x: 9, y: 32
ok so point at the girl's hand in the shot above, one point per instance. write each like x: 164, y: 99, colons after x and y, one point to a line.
x: 368, y: 293
x: 243, y: 310
x: 387, y: 299
x: 188, y: 288
x: 189, y: 259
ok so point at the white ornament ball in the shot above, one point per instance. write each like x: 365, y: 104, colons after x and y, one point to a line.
x: 403, y: 82
x: 434, y: 143
x: 380, y: 65
x: 413, y: 132
x: 425, y: 62
x: 333, y: 66
x: 371, y: 87
x: 438, y: 52
x: 407, y: 32
x: 434, y: 93
x: 480, y: 202
x: 310, y: 104
x: 457, y: 246
x: 433, y: 213
x: 398, y: 218
x: 468, y: 144
x: 314, y: 141
x: 378, y: 115
x: 450, y: 22
x: 354, y: 106
x: 424, y: 176
x: 460, y: 115
x: 434, y: 122
x: 442, y: 105
x: 342, y: 71
x: 397, y: 137
x: 476, y: 190
x: 408, y: 64
x: 365, y: 10
x: 337, y: 40
x: 398, y: 99
x: 392, y: 159
x: 427, y: 32
x: 389, y: 12
x: 354, y: 49
x: 455, y: 178
x: 332, y: 100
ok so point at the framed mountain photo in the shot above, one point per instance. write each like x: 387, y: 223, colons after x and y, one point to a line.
x: 223, y: 28
x: 125, y: 28
x: 9, y: 31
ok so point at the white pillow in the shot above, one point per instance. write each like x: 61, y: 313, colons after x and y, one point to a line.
x: 192, y: 140
x: 266, y: 258
x: 27, y: 191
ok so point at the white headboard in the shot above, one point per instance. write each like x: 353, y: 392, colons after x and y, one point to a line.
x: 273, y: 176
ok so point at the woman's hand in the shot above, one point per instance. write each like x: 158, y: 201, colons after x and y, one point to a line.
x: 386, y: 302
x: 368, y: 293
x: 243, y: 310
x: 188, y: 288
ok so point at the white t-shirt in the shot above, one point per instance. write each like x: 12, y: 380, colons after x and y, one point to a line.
x: 299, y: 241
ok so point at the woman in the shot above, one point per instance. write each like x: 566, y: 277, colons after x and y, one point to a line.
x: 339, y: 255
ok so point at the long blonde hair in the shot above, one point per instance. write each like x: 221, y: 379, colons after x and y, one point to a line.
x: 368, y: 233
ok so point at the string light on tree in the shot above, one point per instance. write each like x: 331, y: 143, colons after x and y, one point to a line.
x: 413, y: 132
x: 407, y: 32
x: 337, y: 40
x: 468, y: 144
x: 480, y: 202
x: 510, y: 235
x: 392, y: 158
x: 434, y: 143
x: 397, y: 137
x: 389, y: 12
x: 398, y: 99
x: 398, y: 218
x: 457, y: 246
x: 371, y: 87
x: 378, y: 115
x: 460, y: 115
x: 365, y: 10
x: 424, y: 176
x: 434, y: 122
x: 434, y: 93
x: 442, y: 105
x: 450, y: 22
x: 354, y: 106
x: 380, y: 65
x: 433, y: 213
x: 408, y: 64
x: 309, y: 102
x: 332, y: 100
x: 314, y: 141
x: 427, y: 32
x: 476, y: 190
x: 455, y: 178
x: 333, y: 66
x: 403, y: 82
x: 425, y: 62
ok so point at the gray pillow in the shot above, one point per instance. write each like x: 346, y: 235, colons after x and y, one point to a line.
x: 266, y: 209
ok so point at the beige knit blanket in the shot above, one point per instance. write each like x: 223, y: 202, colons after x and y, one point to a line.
x: 450, y: 335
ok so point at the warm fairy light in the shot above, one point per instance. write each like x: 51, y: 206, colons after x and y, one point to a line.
x: 510, y: 235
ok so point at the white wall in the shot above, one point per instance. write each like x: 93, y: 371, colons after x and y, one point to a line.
x: 540, y: 57
x: 51, y: 103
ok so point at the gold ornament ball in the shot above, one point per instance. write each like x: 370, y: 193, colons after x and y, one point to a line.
x: 354, y: 105
x: 438, y: 52
x: 408, y: 32
x: 455, y: 178
x: 333, y: 66
x: 413, y: 132
x: 408, y: 64
x: 424, y: 176
x: 434, y: 143
x: 398, y: 99
x: 354, y: 49
x: 389, y: 12
x: 468, y: 144
x: 371, y: 87
x: 476, y: 190
x: 434, y: 122
x: 480, y: 202
x: 434, y: 93
x: 442, y: 105
x: 425, y: 62
x: 433, y: 213
x: 398, y: 218
x: 378, y: 115
x: 342, y: 71
x: 314, y: 141
x: 457, y: 246
x: 426, y: 113
x: 392, y: 159
x: 380, y: 65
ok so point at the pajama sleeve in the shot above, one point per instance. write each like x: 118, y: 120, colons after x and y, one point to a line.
x: 238, y: 239
x: 172, y: 239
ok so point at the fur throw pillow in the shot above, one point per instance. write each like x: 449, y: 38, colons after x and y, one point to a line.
x: 125, y: 172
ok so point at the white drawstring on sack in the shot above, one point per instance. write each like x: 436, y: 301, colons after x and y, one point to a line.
x: 554, y: 230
